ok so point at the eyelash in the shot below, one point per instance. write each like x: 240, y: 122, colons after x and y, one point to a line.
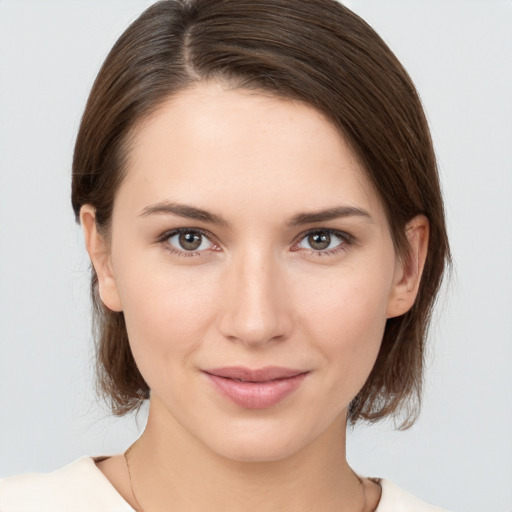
x: 347, y: 241
x: 163, y: 239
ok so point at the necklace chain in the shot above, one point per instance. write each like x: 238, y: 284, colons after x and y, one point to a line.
x: 140, y: 509
x: 365, y: 502
x: 137, y: 504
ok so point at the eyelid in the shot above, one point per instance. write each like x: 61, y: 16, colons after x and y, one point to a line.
x: 343, y: 235
x: 164, y: 237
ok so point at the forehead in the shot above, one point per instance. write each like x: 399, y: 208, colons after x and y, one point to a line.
x: 237, y: 149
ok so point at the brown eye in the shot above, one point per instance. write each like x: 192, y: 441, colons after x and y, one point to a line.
x: 324, y: 241
x: 188, y: 240
x: 319, y: 241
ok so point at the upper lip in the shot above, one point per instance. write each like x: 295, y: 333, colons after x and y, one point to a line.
x: 255, y: 375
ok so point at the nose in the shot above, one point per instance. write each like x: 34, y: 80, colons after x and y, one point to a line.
x: 256, y: 308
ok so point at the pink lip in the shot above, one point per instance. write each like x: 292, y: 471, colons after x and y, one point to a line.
x: 256, y: 389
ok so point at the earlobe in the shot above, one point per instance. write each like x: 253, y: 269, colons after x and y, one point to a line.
x: 99, y: 253
x: 409, y: 270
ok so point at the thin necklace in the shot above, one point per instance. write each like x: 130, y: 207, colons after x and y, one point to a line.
x: 365, y: 503
x: 140, y: 509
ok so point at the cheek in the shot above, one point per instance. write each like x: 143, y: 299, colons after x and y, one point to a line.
x: 346, y: 322
x: 167, y: 313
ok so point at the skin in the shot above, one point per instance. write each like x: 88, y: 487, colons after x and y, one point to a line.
x: 257, y: 292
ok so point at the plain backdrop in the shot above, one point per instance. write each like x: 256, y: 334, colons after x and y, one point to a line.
x: 458, y: 52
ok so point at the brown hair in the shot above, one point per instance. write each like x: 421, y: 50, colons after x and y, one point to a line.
x: 314, y: 51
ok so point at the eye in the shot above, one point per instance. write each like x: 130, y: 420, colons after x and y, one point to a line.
x: 324, y: 241
x: 188, y: 240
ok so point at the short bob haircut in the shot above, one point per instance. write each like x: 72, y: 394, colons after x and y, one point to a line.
x: 313, y: 51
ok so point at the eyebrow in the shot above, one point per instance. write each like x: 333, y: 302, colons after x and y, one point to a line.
x: 191, y: 212
x: 183, y: 210
x: 328, y: 214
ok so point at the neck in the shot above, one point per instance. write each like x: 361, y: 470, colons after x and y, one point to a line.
x: 169, y: 466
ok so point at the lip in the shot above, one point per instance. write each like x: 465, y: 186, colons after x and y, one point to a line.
x: 259, y: 388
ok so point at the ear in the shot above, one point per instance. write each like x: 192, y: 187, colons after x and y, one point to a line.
x: 99, y: 252
x: 408, y: 272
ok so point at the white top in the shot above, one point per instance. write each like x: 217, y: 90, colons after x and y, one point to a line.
x: 82, y: 487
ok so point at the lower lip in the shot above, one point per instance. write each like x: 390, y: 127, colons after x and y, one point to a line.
x: 256, y: 395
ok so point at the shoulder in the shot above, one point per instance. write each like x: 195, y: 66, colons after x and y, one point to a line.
x: 395, y: 499
x: 79, y: 486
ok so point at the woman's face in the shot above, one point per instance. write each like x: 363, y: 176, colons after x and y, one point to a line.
x: 255, y: 268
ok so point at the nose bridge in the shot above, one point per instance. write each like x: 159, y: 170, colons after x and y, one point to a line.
x: 255, y: 309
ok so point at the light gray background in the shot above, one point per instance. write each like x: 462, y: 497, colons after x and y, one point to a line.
x: 459, y: 53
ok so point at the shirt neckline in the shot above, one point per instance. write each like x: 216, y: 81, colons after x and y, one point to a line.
x: 108, y: 486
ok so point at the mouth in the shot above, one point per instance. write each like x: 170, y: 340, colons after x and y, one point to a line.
x: 260, y: 388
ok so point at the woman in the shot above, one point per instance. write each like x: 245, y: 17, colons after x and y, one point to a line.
x: 259, y: 198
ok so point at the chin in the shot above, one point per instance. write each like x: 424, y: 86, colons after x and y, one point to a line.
x: 255, y: 443
x: 258, y: 452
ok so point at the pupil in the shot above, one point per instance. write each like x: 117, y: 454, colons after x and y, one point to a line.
x: 190, y: 241
x: 319, y: 241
